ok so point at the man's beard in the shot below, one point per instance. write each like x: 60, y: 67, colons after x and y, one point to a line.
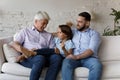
x: 83, y: 28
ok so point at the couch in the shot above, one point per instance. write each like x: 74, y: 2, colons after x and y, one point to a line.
x: 109, y: 54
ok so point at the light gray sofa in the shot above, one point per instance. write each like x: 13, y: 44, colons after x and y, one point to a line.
x: 109, y: 55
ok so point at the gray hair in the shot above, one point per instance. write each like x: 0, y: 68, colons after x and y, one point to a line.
x: 41, y: 15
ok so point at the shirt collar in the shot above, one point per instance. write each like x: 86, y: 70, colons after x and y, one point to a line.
x: 85, y: 30
x: 33, y: 28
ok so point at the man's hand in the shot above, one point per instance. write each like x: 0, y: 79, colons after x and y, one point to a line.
x: 54, y: 34
x: 69, y: 23
x: 27, y: 53
x: 33, y: 49
x: 71, y: 56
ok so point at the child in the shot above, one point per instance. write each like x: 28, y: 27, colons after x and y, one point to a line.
x: 63, y: 40
x: 64, y: 45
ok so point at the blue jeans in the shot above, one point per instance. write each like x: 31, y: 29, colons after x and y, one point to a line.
x: 93, y: 64
x: 36, y: 63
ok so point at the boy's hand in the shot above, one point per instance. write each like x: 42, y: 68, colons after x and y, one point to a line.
x: 62, y: 45
x: 57, y: 51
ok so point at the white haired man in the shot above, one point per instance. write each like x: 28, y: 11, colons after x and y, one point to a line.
x: 35, y: 37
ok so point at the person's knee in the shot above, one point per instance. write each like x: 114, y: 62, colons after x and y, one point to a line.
x: 39, y: 59
x: 56, y: 58
x: 97, y: 66
x: 39, y: 62
x: 66, y: 63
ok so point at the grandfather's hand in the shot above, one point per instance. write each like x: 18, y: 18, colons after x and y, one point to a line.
x: 33, y: 49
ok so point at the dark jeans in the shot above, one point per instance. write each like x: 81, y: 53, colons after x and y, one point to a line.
x: 36, y: 63
x: 45, y: 51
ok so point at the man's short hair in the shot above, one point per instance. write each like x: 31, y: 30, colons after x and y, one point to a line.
x: 41, y: 15
x: 86, y: 15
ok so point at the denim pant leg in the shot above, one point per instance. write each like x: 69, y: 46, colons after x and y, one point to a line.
x: 68, y: 67
x: 55, y: 62
x: 36, y: 63
x: 45, y: 51
x: 94, y: 66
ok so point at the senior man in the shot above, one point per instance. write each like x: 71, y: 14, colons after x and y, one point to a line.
x: 35, y: 37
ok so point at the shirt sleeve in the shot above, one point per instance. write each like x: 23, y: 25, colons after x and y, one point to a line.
x: 52, y: 42
x: 95, y: 42
x: 70, y: 45
x: 20, y: 36
x: 73, y: 29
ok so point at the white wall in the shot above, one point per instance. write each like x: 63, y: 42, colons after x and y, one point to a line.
x: 16, y: 14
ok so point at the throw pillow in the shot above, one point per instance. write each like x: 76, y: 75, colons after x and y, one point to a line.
x: 10, y: 53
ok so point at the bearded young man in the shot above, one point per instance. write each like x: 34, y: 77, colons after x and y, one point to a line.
x: 87, y: 42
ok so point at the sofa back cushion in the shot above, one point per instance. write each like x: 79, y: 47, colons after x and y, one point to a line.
x: 10, y: 53
x: 110, y: 48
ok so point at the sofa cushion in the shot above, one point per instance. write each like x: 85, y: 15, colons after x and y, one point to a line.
x: 15, y: 69
x: 12, y: 77
x: 10, y: 53
x: 81, y: 72
x: 110, y: 48
x: 110, y: 70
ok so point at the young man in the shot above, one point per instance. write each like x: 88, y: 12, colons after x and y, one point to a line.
x: 87, y: 42
x: 35, y: 37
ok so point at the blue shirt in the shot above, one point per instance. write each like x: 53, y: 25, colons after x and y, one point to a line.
x: 88, y: 39
x: 68, y: 45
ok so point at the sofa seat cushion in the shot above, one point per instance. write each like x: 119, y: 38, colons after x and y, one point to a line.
x: 15, y: 69
x: 19, y: 70
x: 110, y: 70
x: 81, y: 72
x: 12, y: 77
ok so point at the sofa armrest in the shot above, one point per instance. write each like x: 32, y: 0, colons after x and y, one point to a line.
x: 2, y: 59
x: 3, y: 41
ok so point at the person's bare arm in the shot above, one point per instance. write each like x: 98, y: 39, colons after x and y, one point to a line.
x: 85, y: 54
x: 16, y: 45
x: 65, y: 51
x: 27, y: 53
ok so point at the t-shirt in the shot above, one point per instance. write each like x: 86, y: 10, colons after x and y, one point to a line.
x: 68, y: 45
